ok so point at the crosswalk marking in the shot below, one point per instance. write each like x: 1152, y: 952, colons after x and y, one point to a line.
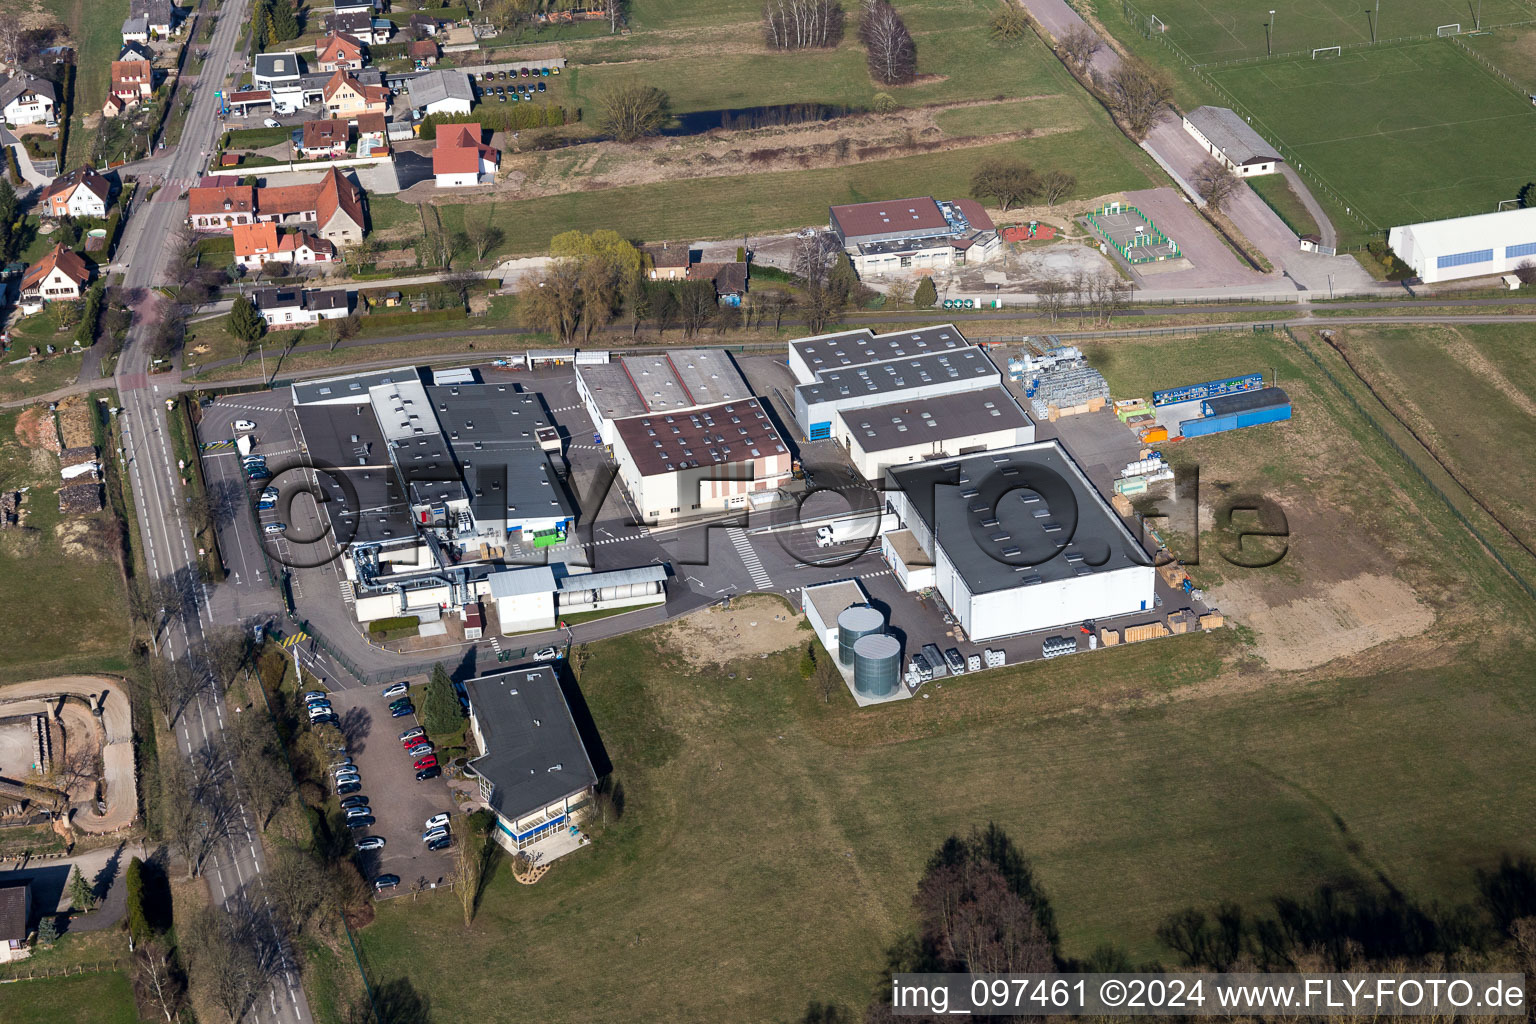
x: 760, y: 577
x: 862, y: 576
x: 496, y: 644
x: 346, y: 590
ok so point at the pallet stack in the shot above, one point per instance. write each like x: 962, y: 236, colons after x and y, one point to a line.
x: 1184, y: 621
x: 1148, y: 631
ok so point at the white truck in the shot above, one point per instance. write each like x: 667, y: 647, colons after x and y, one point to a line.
x: 861, y: 527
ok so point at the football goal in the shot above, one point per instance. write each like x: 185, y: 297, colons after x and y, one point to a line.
x: 1448, y: 30
x: 1156, y: 24
x: 1324, y: 52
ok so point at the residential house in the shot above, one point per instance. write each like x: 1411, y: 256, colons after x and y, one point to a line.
x: 668, y: 262
x: 81, y: 193
x: 112, y: 106
x: 221, y: 208
x: 162, y: 16
x: 441, y: 92
x: 345, y: 96
x: 15, y: 921
x: 325, y: 139
x: 339, y: 51
x: 729, y: 279
x: 259, y: 244
x: 243, y: 102
x: 460, y: 159
x: 360, y: 25
x: 295, y: 308
x: 136, y: 30
x: 62, y: 274
x: 273, y: 70
x: 25, y: 99
x: 372, y: 134
x: 136, y: 51
x: 423, y: 25
x: 331, y: 209
x: 133, y: 82
x: 423, y: 53
x: 369, y: 7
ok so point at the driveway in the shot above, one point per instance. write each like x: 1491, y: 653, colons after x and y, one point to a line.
x: 103, y: 870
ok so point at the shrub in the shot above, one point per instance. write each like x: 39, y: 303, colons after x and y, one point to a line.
x: 392, y: 624
x: 926, y: 295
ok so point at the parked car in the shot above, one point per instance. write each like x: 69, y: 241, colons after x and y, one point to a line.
x: 315, y: 695
x: 546, y: 654
x: 435, y: 833
x: 274, y: 528
x: 359, y: 812
x: 320, y: 712
x: 348, y: 787
x: 543, y: 87
x: 345, y: 762
x: 440, y: 844
x: 370, y: 843
x: 413, y: 733
x: 342, y: 780
x: 344, y: 769
x: 258, y: 472
x: 271, y: 122
x: 554, y: 71
x: 245, y: 425
x: 437, y: 821
x: 420, y: 750
x: 428, y: 773
x: 384, y: 881
x: 428, y: 761
x: 523, y: 72
x: 363, y: 822
x: 398, y: 690
x: 401, y: 712
x: 354, y: 801
x: 329, y: 719
x: 501, y: 75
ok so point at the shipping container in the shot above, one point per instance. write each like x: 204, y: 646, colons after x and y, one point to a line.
x: 1152, y: 434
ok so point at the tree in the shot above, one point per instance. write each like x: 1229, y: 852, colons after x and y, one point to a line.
x: 818, y: 306
x: 157, y: 980
x: 1137, y: 97
x: 133, y: 883
x: 637, y: 303
x: 298, y: 886
x: 285, y: 21
x: 1215, y: 183
x: 631, y: 110
x: 599, y: 294
x: 466, y: 874
x: 10, y: 239
x: 777, y: 302
x: 813, y: 254
x: 173, y: 685
x: 900, y: 292
x: 1527, y: 195
x: 1055, y: 186
x: 343, y: 329
x: 696, y: 304
x: 842, y: 279
x: 483, y: 233
x: 1051, y: 297
x: 81, y: 898
x: 226, y: 959
x: 1007, y: 183
x: 1526, y: 272
x: 603, y: 244
x: 808, y: 661
x: 802, y: 24
x: 553, y: 303
x: 225, y: 650
x: 613, y: 10
x: 1076, y: 48
x: 246, y: 322
x: 1010, y: 23
x: 47, y: 931
x: 892, y: 53
x: 441, y: 711
x: 926, y: 295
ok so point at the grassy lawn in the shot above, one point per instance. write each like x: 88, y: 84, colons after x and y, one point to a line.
x: 45, y: 373
x: 281, y: 367
x: 386, y: 213
x: 1512, y: 51
x: 1467, y: 143
x: 105, y: 998
x: 719, y: 207
x: 258, y: 138
x: 1140, y: 780
x: 1276, y: 191
x: 94, y: 31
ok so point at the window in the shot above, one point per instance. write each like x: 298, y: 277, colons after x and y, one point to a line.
x: 1462, y: 259
x: 1524, y: 249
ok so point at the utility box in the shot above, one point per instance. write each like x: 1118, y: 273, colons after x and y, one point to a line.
x: 995, y: 659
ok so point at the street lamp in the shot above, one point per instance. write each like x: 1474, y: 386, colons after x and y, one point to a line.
x: 1269, y: 37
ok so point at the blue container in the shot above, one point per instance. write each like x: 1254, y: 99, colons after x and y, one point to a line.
x: 1273, y: 414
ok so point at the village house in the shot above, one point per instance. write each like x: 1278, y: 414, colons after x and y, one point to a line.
x: 339, y: 51
x: 161, y: 17
x: 62, y: 274
x: 295, y: 308
x: 729, y: 279
x: 345, y: 96
x: 136, y: 30
x: 133, y: 82
x: 372, y: 134
x: 27, y: 100
x: 460, y: 159
x: 81, y: 193
x: 423, y: 53
x: 259, y: 244
x: 360, y: 25
x: 331, y: 208
x: 324, y: 139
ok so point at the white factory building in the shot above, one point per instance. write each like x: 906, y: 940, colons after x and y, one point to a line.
x: 1014, y: 541
x: 1476, y: 246
x: 664, y: 382
x: 675, y: 464
x: 878, y: 437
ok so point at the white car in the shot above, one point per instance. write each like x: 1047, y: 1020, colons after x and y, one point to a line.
x: 272, y: 528
x: 342, y: 780
x: 437, y: 821
x: 433, y: 834
x: 398, y: 690
x: 272, y: 123
x: 244, y: 425
x: 546, y: 654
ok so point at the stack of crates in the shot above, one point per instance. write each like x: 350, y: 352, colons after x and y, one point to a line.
x: 1150, y: 631
x: 1212, y: 620
x: 995, y: 658
x: 973, y: 663
x: 1056, y: 646
x: 1184, y: 621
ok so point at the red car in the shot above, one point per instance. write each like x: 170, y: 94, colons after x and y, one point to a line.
x: 413, y: 737
x: 430, y: 761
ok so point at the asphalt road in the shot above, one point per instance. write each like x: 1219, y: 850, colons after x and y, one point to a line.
x: 155, y: 477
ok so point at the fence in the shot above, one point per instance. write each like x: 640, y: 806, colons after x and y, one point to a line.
x: 44, y: 971
x: 1494, y: 70
x: 1142, y: 239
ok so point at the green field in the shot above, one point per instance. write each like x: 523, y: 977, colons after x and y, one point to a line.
x: 725, y: 206
x: 1213, y: 32
x: 94, y: 32
x: 1276, y: 190
x: 1465, y: 142
x: 104, y: 998
x: 1512, y: 51
x: 771, y: 843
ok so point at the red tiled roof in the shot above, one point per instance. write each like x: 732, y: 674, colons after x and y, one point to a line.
x: 66, y: 260
x: 976, y: 214
x: 221, y: 199
x: 423, y: 48
x: 285, y: 200
x: 85, y: 177
x: 371, y: 123
x: 338, y: 193
x: 251, y: 96
x: 455, y: 160
x: 132, y: 73
x: 451, y: 135
x: 326, y: 134
x: 251, y: 239
x: 898, y: 215
x: 339, y: 46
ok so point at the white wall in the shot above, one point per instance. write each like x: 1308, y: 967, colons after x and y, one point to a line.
x: 873, y: 464
x: 526, y: 611
x: 464, y: 180
x: 1060, y: 603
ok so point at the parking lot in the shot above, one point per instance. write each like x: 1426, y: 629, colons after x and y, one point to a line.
x: 401, y: 805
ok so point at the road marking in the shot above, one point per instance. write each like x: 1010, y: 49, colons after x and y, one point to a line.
x: 760, y: 577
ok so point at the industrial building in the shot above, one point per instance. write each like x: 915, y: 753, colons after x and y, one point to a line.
x: 907, y: 379
x: 1232, y: 141
x: 534, y: 770
x: 810, y: 357
x: 666, y: 382
x: 854, y: 633
x: 1214, y: 406
x: 881, y: 436
x: 1017, y: 541
x: 718, y: 457
x: 911, y: 235
x: 1476, y: 246
x: 535, y: 597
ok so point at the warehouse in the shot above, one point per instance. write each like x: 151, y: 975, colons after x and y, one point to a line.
x: 1019, y: 541
x: 534, y: 771
x: 907, y: 379
x: 675, y: 464
x: 351, y: 389
x: 1232, y: 141
x: 809, y: 357
x: 666, y: 382
x: 1477, y: 246
x: 881, y: 436
x: 911, y: 235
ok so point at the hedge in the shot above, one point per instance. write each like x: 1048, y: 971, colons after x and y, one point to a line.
x: 398, y: 622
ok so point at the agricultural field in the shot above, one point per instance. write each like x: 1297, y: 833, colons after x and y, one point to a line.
x: 1466, y: 142
x: 1212, y: 33
x: 1139, y: 780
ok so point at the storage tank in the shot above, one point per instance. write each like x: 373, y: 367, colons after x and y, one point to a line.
x: 853, y: 622
x: 876, y: 665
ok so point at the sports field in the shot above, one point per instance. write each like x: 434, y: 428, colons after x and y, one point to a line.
x: 1427, y: 131
x: 1211, y: 31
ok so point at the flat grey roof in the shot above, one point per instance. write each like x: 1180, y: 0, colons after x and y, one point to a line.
x: 1232, y: 135
x: 366, y: 505
x: 537, y: 579
x: 854, y: 348
x: 534, y: 754
x: 614, y: 578
x: 1017, y: 516
x: 329, y: 430
x: 351, y: 387
x: 831, y: 598
x: 900, y: 424
x: 897, y: 375
x: 492, y: 430
x: 634, y: 385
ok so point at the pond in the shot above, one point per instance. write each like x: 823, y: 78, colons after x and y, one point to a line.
x: 742, y: 118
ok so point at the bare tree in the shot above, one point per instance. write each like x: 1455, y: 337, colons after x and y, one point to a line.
x: 631, y: 110
x: 228, y: 956
x: 298, y: 887
x: 802, y: 24
x: 1137, y: 97
x: 777, y: 302
x: 158, y: 980
x: 173, y: 686
x: 892, y: 53
x: 343, y: 329
x: 483, y: 233
x: 813, y: 257
x: 461, y: 283
x: 1526, y: 272
x: 1052, y: 297
x: 1216, y: 183
x: 1010, y: 23
x: 1107, y: 295
x: 1055, y: 186
x: 1007, y: 183
x: 553, y: 303
x: 599, y: 294
x: 696, y: 305
x: 819, y: 305
x: 225, y: 651
x: 613, y: 10
x: 198, y: 809
x: 1077, y: 46
x: 466, y: 870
